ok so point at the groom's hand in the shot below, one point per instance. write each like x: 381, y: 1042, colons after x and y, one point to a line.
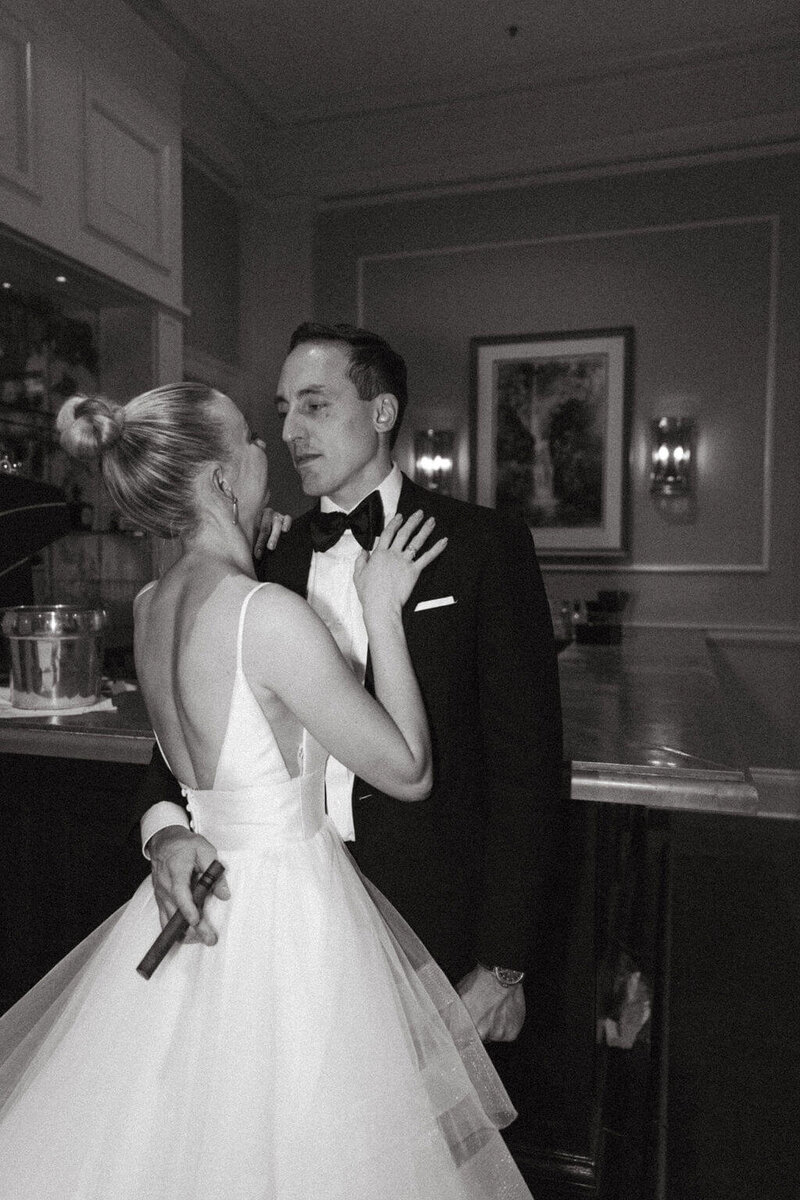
x: 273, y: 524
x: 176, y: 854
x: 498, y: 1013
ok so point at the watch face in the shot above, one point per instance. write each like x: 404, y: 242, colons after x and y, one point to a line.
x: 508, y: 977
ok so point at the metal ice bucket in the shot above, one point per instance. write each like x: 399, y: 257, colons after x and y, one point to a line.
x: 56, y: 655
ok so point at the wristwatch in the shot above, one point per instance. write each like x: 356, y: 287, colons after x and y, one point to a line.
x: 505, y: 976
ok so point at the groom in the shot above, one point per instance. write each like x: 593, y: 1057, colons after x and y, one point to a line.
x: 467, y: 866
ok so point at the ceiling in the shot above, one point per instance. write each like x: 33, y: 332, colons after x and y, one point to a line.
x: 301, y: 61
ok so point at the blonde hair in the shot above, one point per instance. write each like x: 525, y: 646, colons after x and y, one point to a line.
x: 150, y: 450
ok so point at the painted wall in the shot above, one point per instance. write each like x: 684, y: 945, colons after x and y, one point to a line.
x: 704, y: 263
x: 248, y: 271
x: 276, y: 295
x: 210, y: 263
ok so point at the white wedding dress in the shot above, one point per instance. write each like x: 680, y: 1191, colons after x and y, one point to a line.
x: 315, y: 1053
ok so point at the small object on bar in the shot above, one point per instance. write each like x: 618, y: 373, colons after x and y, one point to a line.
x: 177, y: 925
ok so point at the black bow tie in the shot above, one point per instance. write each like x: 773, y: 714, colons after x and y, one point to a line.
x: 365, y: 521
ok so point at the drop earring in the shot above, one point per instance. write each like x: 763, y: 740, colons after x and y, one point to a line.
x: 229, y: 493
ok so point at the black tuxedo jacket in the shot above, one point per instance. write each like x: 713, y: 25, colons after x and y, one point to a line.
x: 467, y: 866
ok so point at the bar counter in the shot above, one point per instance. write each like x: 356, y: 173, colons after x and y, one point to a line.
x: 645, y: 722
x: 123, y: 736
x: 652, y: 744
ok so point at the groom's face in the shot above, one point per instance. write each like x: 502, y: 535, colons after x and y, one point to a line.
x: 331, y: 433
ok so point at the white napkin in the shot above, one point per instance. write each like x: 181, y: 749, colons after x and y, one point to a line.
x: 105, y: 704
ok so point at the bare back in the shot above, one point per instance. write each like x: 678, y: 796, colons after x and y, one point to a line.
x: 295, y: 681
x: 185, y: 646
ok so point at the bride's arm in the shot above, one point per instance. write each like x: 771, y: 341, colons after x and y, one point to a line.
x: 290, y: 651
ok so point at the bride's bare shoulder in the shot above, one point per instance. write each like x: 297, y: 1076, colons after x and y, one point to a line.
x: 283, y: 638
x: 275, y: 604
x: 279, y: 619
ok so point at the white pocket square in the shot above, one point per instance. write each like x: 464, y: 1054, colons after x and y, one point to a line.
x: 440, y: 603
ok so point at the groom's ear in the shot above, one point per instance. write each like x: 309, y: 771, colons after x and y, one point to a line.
x: 384, y: 412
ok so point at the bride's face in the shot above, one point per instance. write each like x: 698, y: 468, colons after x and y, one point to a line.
x: 250, y: 484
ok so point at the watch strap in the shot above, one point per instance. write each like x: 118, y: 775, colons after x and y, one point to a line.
x: 506, y: 976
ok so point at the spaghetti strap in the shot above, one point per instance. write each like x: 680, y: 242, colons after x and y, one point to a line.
x: 146, y: 588
x: 368, y: 1081
x: 242, y: 615
x: 166, y: 760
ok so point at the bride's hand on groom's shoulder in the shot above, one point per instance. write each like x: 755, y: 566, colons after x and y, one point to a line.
x: 176, y: 854
x: 273, y: 524
x: 386, y: 577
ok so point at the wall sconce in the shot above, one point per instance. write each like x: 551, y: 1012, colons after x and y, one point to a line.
x: 433, y: 459
x: 672, y: 456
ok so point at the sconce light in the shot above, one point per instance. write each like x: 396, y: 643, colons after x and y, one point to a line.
x: 672, y: 455
x: 433, y: 459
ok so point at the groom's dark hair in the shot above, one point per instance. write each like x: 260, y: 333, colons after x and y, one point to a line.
x: 374, y: 366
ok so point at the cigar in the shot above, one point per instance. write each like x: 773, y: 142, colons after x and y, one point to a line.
x: 176, y: 927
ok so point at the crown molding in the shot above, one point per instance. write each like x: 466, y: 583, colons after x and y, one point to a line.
x: 531, y: 162
x: 502, y: 129
x: 190, y: 48
x: 546, y: 177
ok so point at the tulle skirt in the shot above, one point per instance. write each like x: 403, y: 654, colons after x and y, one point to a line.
x: 315, y: 1053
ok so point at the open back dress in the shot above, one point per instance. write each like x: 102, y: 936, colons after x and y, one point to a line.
x: 316, y: 1052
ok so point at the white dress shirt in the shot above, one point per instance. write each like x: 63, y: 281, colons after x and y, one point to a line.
x: 332, y: 594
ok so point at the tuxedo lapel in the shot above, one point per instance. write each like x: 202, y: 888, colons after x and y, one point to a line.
x: 430, y: 583
x: 412, y: 497
x: 289, y: 563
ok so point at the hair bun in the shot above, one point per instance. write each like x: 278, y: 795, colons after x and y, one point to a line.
x: 89, y: 426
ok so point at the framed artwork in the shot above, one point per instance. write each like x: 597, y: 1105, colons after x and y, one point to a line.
x: 549, y: 436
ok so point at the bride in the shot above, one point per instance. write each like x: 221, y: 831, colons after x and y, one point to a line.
x: 300, y: 1042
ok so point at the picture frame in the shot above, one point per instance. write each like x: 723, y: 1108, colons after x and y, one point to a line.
x: 549, y: 432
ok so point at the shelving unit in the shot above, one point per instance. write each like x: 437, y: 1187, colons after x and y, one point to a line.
x: 83, y: 334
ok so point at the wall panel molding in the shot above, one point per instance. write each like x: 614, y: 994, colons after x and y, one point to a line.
x: 19, y: 151
x: 727, y: 634
x: 748, y: 98
x: 547, y: 176
x: 759, y: 565
x: 656, y: 568
x: 504, y: 122
x: 127, y: 176
x: 754, y: 635
x: 90, y: 133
